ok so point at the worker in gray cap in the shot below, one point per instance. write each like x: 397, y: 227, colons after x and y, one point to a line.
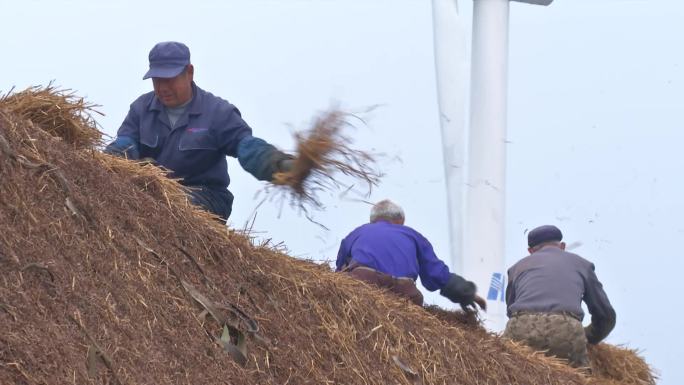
x: 544, y: 295
x: 189, y: 131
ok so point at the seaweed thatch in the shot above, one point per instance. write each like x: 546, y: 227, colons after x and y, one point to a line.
x: 58, y: 112
x: 109, y: 276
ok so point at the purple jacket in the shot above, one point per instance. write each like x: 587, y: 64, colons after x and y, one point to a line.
x: 397, y: 250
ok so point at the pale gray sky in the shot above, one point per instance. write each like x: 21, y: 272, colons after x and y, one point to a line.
x: 595, y: 117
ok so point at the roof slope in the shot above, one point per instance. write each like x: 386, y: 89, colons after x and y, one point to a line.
x: 108, y: 275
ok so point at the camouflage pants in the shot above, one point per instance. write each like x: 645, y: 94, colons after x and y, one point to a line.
x: 557, y: 335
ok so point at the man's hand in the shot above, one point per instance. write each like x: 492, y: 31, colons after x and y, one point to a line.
x: 471, y: 308
x: 148, y: 160
x: 286, y: 165
x: 123, y: 146
x: 481, y: 302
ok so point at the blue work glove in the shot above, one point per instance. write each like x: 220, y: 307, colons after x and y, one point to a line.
x: 123, y: 146
x: 262, y: 159
x: 285, y: 163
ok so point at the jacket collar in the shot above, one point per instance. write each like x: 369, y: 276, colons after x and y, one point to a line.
x: 548, y: 248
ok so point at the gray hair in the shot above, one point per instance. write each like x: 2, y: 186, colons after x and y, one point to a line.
x: 386, y: 210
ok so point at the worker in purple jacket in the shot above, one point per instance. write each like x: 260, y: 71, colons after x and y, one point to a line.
x: 390, y: 255
x: 544, y: 298
x: 189, y: 131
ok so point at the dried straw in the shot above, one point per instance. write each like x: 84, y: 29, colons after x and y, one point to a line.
x: 58, y: 112
x: 98, y: 294
x: 323, y: 152
x: 620, y: 365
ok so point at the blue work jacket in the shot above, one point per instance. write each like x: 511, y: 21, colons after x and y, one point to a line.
x: 195, y: 149
x: 393, y: 249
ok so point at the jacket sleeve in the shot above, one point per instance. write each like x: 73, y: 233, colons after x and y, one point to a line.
x: 343, y: 254
x: 434, y: 274
x: 231, y: 129
x: 127, y: 142
x: 259, y: 158
x: 459, y: 290
x: 510, y: 293
x: 603, y: 315
x: 123, y: 146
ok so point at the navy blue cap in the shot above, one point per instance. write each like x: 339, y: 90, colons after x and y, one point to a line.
x: 543, y: 234
x: 167, y: 60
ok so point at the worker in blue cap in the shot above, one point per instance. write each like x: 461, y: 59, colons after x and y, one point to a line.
x: 544, y: 299
x: 189, y: 131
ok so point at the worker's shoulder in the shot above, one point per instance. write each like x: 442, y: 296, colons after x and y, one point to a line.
x: 383, y: 227
x: 209, y: 100
x: 411, y: 232
x: 574, y: 257
x: 516, y: 266
x: 570, y: 260
x: 366, y: 227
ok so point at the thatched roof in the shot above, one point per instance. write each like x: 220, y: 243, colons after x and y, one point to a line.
x: 108, y: 275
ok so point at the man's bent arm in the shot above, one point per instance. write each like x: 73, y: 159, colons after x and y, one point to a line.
x: 343, y: 255
x: 123, y: 146
x: 260, y: 158
x: 510, y: 293
x: 434, y: 274
x: 126, y: 143
x: 603, y: 315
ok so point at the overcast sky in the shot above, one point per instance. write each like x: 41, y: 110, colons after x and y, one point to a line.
x: 595, y: 118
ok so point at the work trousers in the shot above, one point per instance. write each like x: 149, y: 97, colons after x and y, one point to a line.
x: 404, y: 287
x: 216, y: 200
x: 557, y: 334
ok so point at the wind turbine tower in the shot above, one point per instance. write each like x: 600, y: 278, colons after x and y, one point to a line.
x: 476, y: 189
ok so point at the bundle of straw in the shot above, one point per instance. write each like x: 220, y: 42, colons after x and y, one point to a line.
x: 619, y: 365
x: 323, y: 152
x: 58, y: 112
